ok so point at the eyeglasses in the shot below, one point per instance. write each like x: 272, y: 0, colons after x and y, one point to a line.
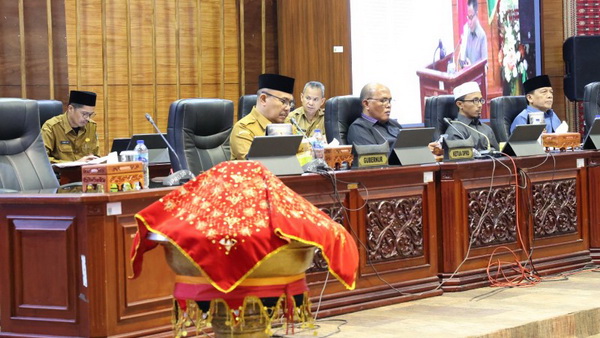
x: 475, y: 101
x: 383, y: 101
x: 87, y: 115
x: 285, y: 102
x: 470, y: 17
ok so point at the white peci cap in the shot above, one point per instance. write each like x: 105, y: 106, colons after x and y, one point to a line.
x: 466, y: 88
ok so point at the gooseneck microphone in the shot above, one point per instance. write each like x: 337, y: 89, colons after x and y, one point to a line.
x: 181, y: 173
x: 149, y: 118
x: 477, y: 131
x: 449, y: 122
x: 295, y: 123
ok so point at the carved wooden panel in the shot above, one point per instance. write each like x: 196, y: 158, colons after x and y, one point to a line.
x: 394, y: 228
x: 336, y: 213
x: 492, y: 216
x: 554, y: 208
x: 44, y: 268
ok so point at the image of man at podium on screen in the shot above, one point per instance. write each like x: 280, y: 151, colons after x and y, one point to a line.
x: 540, y: 97
x: 473, y: 45
x: 273, y: 103
x: 469, y: 100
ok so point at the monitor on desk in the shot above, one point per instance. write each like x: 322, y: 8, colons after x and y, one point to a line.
x: 277, y: 153
x: 120, y: 144
x: 524, y: 141
x: 157, y: 148
x: 592, y: 139
x: 412, y: 147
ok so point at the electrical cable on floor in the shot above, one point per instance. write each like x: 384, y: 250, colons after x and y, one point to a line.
x: 478, y: 226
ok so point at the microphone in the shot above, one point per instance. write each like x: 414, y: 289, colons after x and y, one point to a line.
x: 449, y: 122
x: 477, y: 131
x: 295, y: 123
x: 178, y: 175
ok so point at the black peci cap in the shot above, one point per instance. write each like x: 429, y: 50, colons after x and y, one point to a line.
x: 82, y: 97
x: 276, y: 82
x: 535, y: 83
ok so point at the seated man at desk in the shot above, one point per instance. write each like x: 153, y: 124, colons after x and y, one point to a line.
x: 273, y: 103
x: 72, y: 136
x: 540, y: 96
x: 468, y: 98
x: 374, y: 126
x: 310, y: 116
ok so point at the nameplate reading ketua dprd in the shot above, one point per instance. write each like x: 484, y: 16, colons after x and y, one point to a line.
x: 460, y: 154
x: 458, y: 150
x: 370, y: 160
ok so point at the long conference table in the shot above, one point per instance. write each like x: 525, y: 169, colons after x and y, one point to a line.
x: 420, y: 230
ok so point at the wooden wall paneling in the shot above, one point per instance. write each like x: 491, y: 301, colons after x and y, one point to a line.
x: 59, y: 46
x: 188, y: 33
x: 117, y: 112
x: 90, y: 35
x: 552, y: 26
x: 165, y: 43
x: 22, y: 69
x: 50, y: 48
x: 306, y: 44
x: 10, y: 64
x: 271, y: 50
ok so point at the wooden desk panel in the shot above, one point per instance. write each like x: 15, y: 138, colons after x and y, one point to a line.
x: 65, y: 263
x: 392, y: 212
x: 552, y: 216
x: 594, y: 202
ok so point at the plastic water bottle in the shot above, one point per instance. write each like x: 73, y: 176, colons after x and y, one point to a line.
x: 318, y: 144
x: 141, y: 154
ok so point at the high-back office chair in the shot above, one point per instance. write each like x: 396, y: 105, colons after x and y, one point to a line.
x: 24, y: 164
x: 503, y: 111
x: 591, y: 104
x: 49, y: 109
x: 436, y: 109
x: 245, y: 105
x: 340, y: 112
x: 198, y: 130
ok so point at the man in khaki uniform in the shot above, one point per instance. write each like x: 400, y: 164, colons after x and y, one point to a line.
x: 72, y: 136
x: 273, y: 103
x: 310, y: 116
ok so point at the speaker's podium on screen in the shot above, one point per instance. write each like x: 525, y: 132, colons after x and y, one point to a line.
x: 436, y: 79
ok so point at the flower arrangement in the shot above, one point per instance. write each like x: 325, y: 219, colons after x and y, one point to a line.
x: 512, y: 53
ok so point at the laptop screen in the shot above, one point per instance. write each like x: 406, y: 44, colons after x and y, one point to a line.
x: 526, y: 132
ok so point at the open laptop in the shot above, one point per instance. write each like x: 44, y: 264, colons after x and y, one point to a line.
x: 120, y: 144
x: 157, y: 148
x: 411, y: 147
x: 277, y: 153
x: 592, y: 139
x: 524, y: 141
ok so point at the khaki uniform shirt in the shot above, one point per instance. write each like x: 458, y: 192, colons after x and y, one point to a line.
x: 309, y: 127
x: 63, y: 144
x: 244, y: 131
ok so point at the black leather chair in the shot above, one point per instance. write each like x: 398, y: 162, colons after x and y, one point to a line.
x: 591, y: 104
x: 503, y: 111
x: 436, y: 109
x: 245, y: 105
x: 49, y: 109
x: 340, y: 112
x: 198, y: 130
x: 24, y: 164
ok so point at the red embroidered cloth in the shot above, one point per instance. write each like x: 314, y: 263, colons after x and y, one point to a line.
x: 231, y: 217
